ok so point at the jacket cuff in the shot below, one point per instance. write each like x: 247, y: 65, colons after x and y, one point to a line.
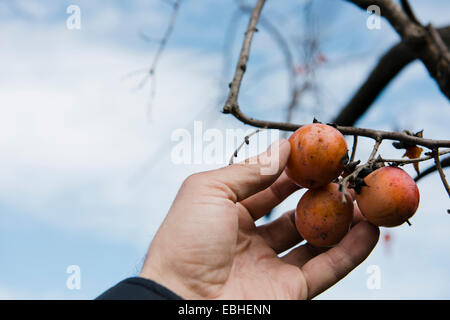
x: 137, y: 288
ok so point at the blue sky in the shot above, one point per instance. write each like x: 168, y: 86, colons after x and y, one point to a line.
x: 86, y: 172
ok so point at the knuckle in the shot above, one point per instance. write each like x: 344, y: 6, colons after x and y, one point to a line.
x: 194, y: 179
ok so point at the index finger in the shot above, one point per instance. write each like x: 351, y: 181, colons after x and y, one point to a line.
x: 261, y: 203
x: 247, y: 178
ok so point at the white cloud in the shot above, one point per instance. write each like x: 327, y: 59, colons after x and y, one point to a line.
x: 75, y: 131
x: 78, y: 151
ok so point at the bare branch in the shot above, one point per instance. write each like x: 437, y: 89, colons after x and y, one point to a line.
x: 444, y: 164
x: 408, y: 10
x: 165, y: 38
x: 418, y: 38
x: 443, y: 51
x: 408, y: 161
x: 396, y: 16
x: 284, y: 47
x: 387, y: 68
x: 230, y: 33
x: 175, y: 4
x: 243, y: 58
x: 355, y: 143
x: 246, y: 141
x: 413, y: 34
x: 231, y: 105
x: 297, y: 89
x: 375, y: 150
x: 441, y: 171
x: 370, y: 133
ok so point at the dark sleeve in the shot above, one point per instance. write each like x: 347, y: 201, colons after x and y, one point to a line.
x: 137, y: 288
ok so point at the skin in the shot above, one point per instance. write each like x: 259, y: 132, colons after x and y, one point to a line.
x: 208, y: 246
x: 390, y: 198
x: 317, y: 151
x: 321, y: 217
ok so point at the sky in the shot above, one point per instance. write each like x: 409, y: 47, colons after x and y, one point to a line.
x: 87, y: 162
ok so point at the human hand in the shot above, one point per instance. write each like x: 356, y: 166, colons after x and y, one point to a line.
x: 208, y: 246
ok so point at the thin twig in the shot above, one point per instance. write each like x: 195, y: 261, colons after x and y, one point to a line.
x: 408, y: 161
x: 246, y: 141
x: 441, y: 171
x: 175, y: 5
x: 295, y: 89
x: 445, y: 163
x: 243, y: 58
x: 355, y: 143
x: 375, y: 150
x: 150, y: 75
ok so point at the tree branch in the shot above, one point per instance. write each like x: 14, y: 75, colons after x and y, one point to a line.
x: 387, y: 68
x: 231, y: 104
x: 444, y: 164
x: 150, y: 75
x: 405, y: 27
x: 243, y: 58
x: 355, y: 143
x: 441, y: 171
x: 421, y: 40
x: 408, y: 161
x: 246, y: 141
x: 370, y: 133
x: 408, y: 10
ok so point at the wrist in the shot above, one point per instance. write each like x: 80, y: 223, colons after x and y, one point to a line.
x: 168, y: 281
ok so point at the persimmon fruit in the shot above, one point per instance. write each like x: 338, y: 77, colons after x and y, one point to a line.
x: 322, y: 218
x: 390, y: 198
x: 318, y: 155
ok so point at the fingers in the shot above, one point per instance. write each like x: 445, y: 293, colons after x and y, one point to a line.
x: 281, y: 234
x: 255, y: 174
x: 302, y: 254
x: 324, y: 270
x: 357, y: 215
x: 261, y: 203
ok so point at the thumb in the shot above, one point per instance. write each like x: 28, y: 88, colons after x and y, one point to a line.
x: 254, y: 174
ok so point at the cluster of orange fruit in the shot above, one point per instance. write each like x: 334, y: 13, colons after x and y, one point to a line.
x: 388, y: 196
